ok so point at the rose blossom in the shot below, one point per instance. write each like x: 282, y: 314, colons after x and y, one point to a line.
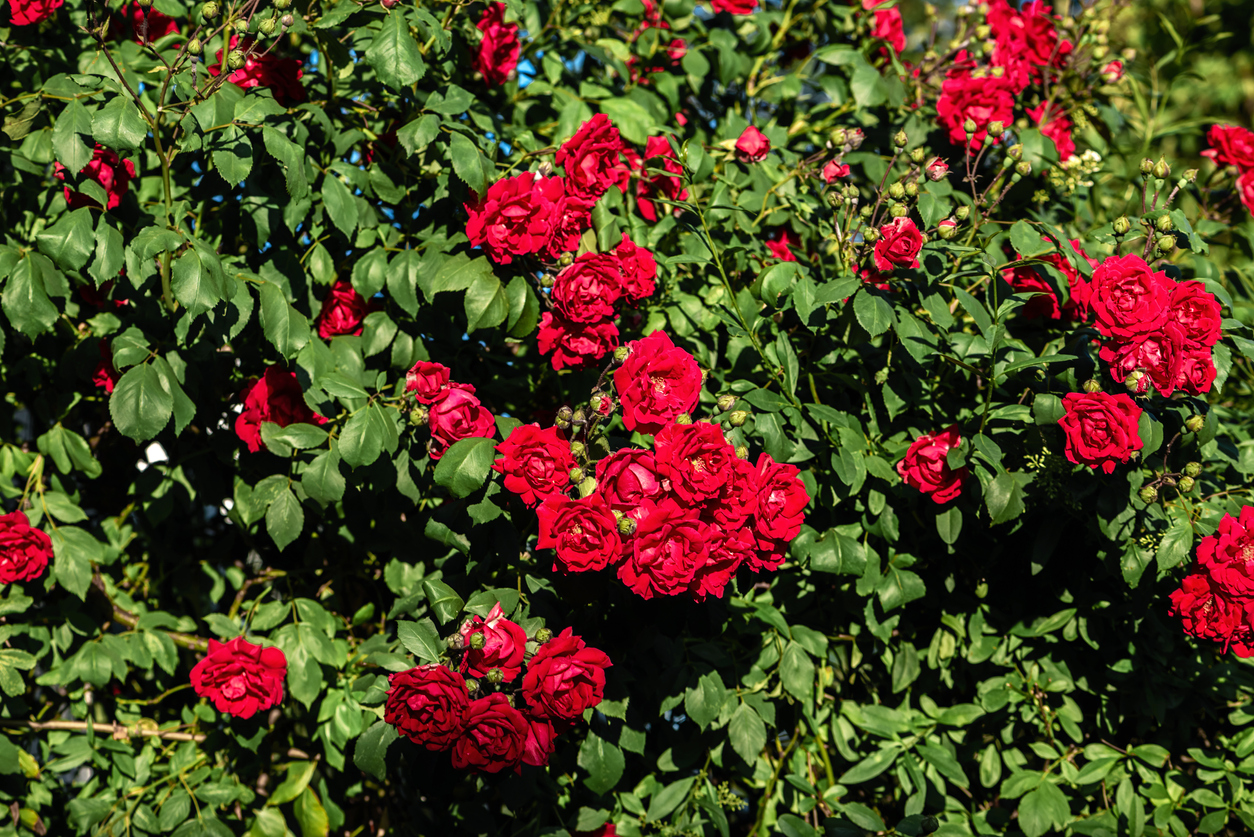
x: 1101, y: 429
x: 517, y: 216
x: 495, y: 737
x: 657, y: 382
x: 668, y: 547
x: 564, y: 678
x: 427, y: 381
x: 1196, y: 372
x: 833, y: 171
x: 1025, y: 41
x: 1231, y: 145
x: 105, y: 374
x: 925, y: 466
x: 639, y: 269
x: 782, y: 499
x: 1207, y: 613
x: 240, y: 678
x: 1197, y: 312
x: 737, y: 499
x: 575, y: 345
x: 536, y: 463
x: 281, y: 75
x: 499, y: 50
x: 107, y: 169
x: 457, y: 415
x: 659, y: 154
x: 427, y: 705
x: 589, y: 158
x: 752, y: 146
x: 24, y: 550
x: 1057, y: 126
x: 1245, y: 188
x: 628, y: 478
x: 275, y: 397
x: 343, y: 310
x: 586, y: 290
x: 583, y: 532
x: 1228, y: 554
x: 936, y: 169
x: 725, y: 557
x: 780, y: 242
x: 982, y: 100
x: 1158, y: 355
x: 1112, y: 72
x: 26, y: 12
x: 887, y: 26
x: 1128, y: 298
x: 736, y: 7
x: 898, y: 245
x: 159, y: 25
x: 539, y: 744
x: 695, y: 458
x: 571, y: 218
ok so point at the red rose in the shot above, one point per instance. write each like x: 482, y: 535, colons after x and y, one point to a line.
x: 1045, y: 304
x: 737, y: 500
x: 240, y: 678
x: 1245, y: 188
x: 343, y: 311
x: 498, y: 52
x: 1196, y: 372
x: 428, y: 380
x: 24, y: 550
x: 657, y: 382
x: 275, y: 397
x: 495, y: 737
x: 607, y: 830
x: 1101, y: 428
x: 590, y: 157
x: 898, y: 245
x: 457, y: 415
x: 105, y: 375
x: 427, y: 705
x: 695, y: 458
x: 564, y: 678
x: 669, y: 545
x: 1228, y: 554
x: 1207, y: 613
x: 1128, y: 299
x: 780, y: 242
x: 112, y: 173
x: 659, y: 154
x: 639, y: 269
x: 571, y: 219
x: 585, y: 292
x: 504, y: 644
x: 26, y: 12
x: 782, y: 500
x: 887, y: 26
x: 1026, y: 41
x: 628, y: 478
x: 736, y: 7
x: 584, y: 532
x: 726, y: 555
x: 1158, y: 356
x: 539, y: 744
x: 924, y: 466
x: 982, y: 100
x: 1057, y: 126
x: 536, y: 463
x: 159, y: 25
x: 753, y: 146
x: 937, y: 169
x: 517, y: 216
x: 1231, y: 145
x: 1197, y: 312
x: 575, y: 345
x: 1112, y: 72
x: 834, y: 171
x: 281, y: 75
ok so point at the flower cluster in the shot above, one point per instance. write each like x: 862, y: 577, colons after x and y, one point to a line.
x: 1044, y: 302
x: 240, y: 678
x: 640, y: 68
x: 1217, y: 601
x: 275, y: 397
x: 452, y: 411
x: 490, y: 731
x: 1234, y: 146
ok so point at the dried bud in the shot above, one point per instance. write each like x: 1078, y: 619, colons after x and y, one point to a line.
x: 726, y: 402
x: 1092, y: 385
x: 738, y: 418
x: 287, y: 20
x: 1149, y: 494
x: 1161, y: 169
x: 1121, y: 225
x: 1169, y: 481
x: 626, y: 526
x: 834, y: 198
x: 578, y: 449
x: 543, y: 635
x: 900, y: 139
x: 1193, y: 469
x: 620, y: 354
x: 1190, y: 175
x: 962, y: 212
x: 455, y: 641
x: 210, y: 10
x: 418, y: 416
x: 947, y: 229
x: 1023, y: 168
x: 917, y: 155
x: 495, y: 676
x: 235, y: 59
x: 896, y: 190
x: 576, y: 475
x: 1185, y: 485
x: 545, y: 169
x: 742, y: 451
x: 195, y: 47
x: 837, y: 136
x: 477, y: 640
x: 683, y: 418
x: 1194, y: 424
x: 268, y: 26
x: 1147, y: 167
x: 564, y: 413
x: 1164, y: 224
x: 898, y: 210
x: 996, y: 128
x: 912, y: 189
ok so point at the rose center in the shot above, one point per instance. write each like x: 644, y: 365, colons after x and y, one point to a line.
x: 235, y: 687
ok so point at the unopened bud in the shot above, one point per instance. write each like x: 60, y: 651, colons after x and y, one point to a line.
x: 210, y: 10
x: 1194, y: 424
x: 418, y: 416
x: 854, y: 138
x: 1092, y: 385
x: 235, y: 59
x: 1193, y: 468
x: 897, y: 190
x: 969, y: 126
x: 543, y: 635
x: 546, y: 281
x: 1015, y: 152
x: 565, y: 259
x: 495, y: 676
x: 472, y: 685
x: 240, y: 26
x: 917, y: 155
x: 912, y: 189
x: 195, y: 47
x: 578, y: 449
x: 268, y: 26
x: 455, y: 641
x: 1185, y: 485
x: 683, y: 418
x: 738, y: 418
x: 1121, y: 225
x: 866, y: 211
x: 837, y: 136
x: 947, y: 229
x: 144, y: 3
x: 997, y: 128
x: 576, y: 475
x: 1149, y: 494
x: 1166, y: 243
x: 478, y: 640
x: 898, y: 210
x: 1133, y: 381
x: 287, y: 20
x: 962, y: 212
x: 900, y: 139
x: 1161, y: 169
x: 726, y: 402
x: 834, y: 198
x: 742, y: 451
x: 1164, y: 224
x: 1169, y: 482
x: 1023, y: 168
x: 282, y: 4
x: 1147, y: 167
x: 1190, y: 175
x: 983, y: 31
x: 626, y: 526
x: 871, y: 236
x: 621, y: 353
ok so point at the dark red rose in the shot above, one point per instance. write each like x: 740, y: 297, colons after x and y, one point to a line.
x: 1228, y: 555
x: 539, y: 746
x: 607, y: 830
x: 1156, y: 356
x: 1101, y: 428
x: 737, y: 500
x: 585, y: 292
x: 495, y: 737
x: 639, y: 269
x: 105, y: 375
x: 499, y: 49
x: 159, y: 25
x: 1057, y: 126
x: 26, y: 12
x: 590, y: 158
x: 736, y: 7
x: 782, y: 500
x: 1025, y: 41
x: 240, y: 678
x: 343, y: 311
x: 275, y: 397
x: 924, y: 466
x: 428, y: 381
x: 99, y: 297
x: 1044, y: 302
x: 887, y: 26
x: 1129, y: 299
x: 780, y: 242
x: 112, y: 173
x: 281, y: 75
x: 584, y: 532
x: 658, y: 154
x: 628, y: 478
x: 834, y: 171
x: 427, y: 705
x: 657, y: 382
x: 564, y: 678
x: 1198, y: 314
x: 24, y: 550
x: 1231, y: 145
x: 504, y: 644
x: 695, y: 458
x: 1208, y: 612
x: 752, y: 146
x: 536, y: 463
x: 898, y: 245
x: 517, y: 216
x: 1197, y: 372
x: 575, y: 345
x: 457, y: 415
x: 982, y: 100
x: 726, y: 555
x: 668, y: 547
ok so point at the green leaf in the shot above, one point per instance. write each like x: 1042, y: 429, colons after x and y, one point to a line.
x: 419, y: 133
x: 486, y: 303
x: 524, y: 308
x: 836, y: 553
x: 603, y: 761
x: 747, y: 733
x: 284, y: 326
x: 944, y: 762
x: 1043, y: 810
x: 74, y: 551
x: 119, y: 125
x: 669, y: 798
x: 421, y: 640
x: 863, y: 816
x: 298, y: 776
x: 372, y: 747
x: 311, y: 816
x: 704, y: 701
x: 402, y: 280
x: 69, y: 241
x: 467, y: 161
x: 291, y: 157
x: 949, y: 525
x: 457, y: 273
x: 110, y: 254
x: 140, y: 405
x: 465, y: 466
x: 197, y: 282
x: 285, y: 518
x: 298, y: 435
x: 361, y: 440
x: 340, y: 204
x: 69, y: 137
x: 394, y: 53
x: 905, y: 667
x: 234, y: 160
x: 1028, y: 241
x: 796, y: 672
x: 1004, y: 498
x: 26, y: 301
x: 871, y: 766
x: 874, y: 313
x: 443, y: 600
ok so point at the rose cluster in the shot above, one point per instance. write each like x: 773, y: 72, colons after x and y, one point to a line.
x: 262, y: 68
x: 490, y: 731
x: 1217, y: 601
x: 679, y: 519
x: 1231, y: 145
x: 112, y: 173
x: 499, y: 50
x: 452, y: 412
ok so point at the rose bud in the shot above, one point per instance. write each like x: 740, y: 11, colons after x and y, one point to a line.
x: 937, y: 169
x: 1121, y: 225
x: 1092, y: 385
x: 947, y: 229
x: 1112, y: 72
x: 1194, y: 424
x: 1185, y: 485
x: 1193, y: 469
x: 1149, y: 494
x: 543, y: 635
x: 726, y: 402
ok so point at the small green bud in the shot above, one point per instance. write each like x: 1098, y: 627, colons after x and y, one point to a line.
x: 866, y: 211
x: 838, y: 136
x: 683, y: 418
x: 1169, y: 481
x: 626, y: 526
x: 912, y: 189
x: 418, y: 416
x: 962, y: 212
x: 478, y: 640
x: 1147, y: 167
x: 620, y: 354
x: 1185, y: 485
x: 900, y: 139
x: 1133, y: 381
x: 1194, y: 424
x: 472, y: 685
x: 969, y: 126
x: 742, y: 451
x: 1166, y: 243
x: 235, y: 59
x: 1161, y: 169
x: 210, y: 10
x: 578, y: 448
x: 576, y: 475
x: 495, y: 676
x: 872, y: 235
x: 287, y: 20
x: 1015, y: 152
x: 726, y: 402
x: 566, y: 259
x: 738, y: 418
x: 981, y: 590
x: 282, y: 4
x: 1092, y: 385
x: 917, y: 155
x: 1190, y: 175
x: 268, y: 26
x: 564, y: 413
x: 834, y: 198
x: 947, y: 230
x: 240, y: 26
x: 1164, y: 224
x: 195, y: 47
x: 1023, y: 168
x: 983, y: 31
x: 897, y: 190
x: 455, y: 641
x: 996, y: 128
x: 543, y: 635
x: 898, y: 210
x: 1193, y: 469
x: 1149, y: 494
x: 546, y: 281
x: 1121, y: 225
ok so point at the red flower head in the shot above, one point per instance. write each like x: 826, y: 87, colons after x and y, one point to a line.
x: 584, y: 532
x: 26, y: 12
x: 539, y: 744
x: 924, y: 466
x: 782, y: 500
x: 275, y: 397
x: 427, y: 705
x: 1228, y: 555
x: 887, y: 26
x: 343, y: 310
x: 24, y: 550
x: 105, y: 375
x: 590, y: 159
x: 639, y: 269
x: 428, y: 381
x: 1208, y: 613
x: 240, y: 678
x: 1197, y: 372
x: 669, y: 546
x: 1101, y: 429
x: 982, y: 100
x: 495, y: 737
x: 564, y: 678
x: 898, y: 245
x: 668, y: 186
x: 657, y: 382
x: 112, y: 173
x: 498, y: 52
x: 1198, y: 314
x: 780, y: 242
x: 736, y: 7
x: 536, y: 463
x: 457, y: 415
x: 1245, y: 188
x: 571, y: 219
x: 726, y: 556
x: 503, y: 646
x: 575, y: 345
x: 585, y: 292
x: 1057, y: 126
x: 159, y: 25
x: 834, y: 171
x: 1112, y: 72
x: 281, y: 75
x: 936, y: 169
x: 737, y: 500
x: 1025, y: 41
x: 517, y: 217
x: 1231, y: 145
x: 628, y: 478
x: 695, y: 458
x: 753, y: 146
x: 1128, y: 298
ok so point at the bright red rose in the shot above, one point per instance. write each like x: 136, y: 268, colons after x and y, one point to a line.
x: 275, y: 397
x: 737, y: 500
x: 585, y: 292
x: 1057, y: 126
x: 657, y: 382
x: 26, y: 12
x: 539, y: 745
x: 628, y: 478
x: 427, y: 705
x: 1207, y: 611
x: 105, y: 375
x: 495, y: 737
x: 112, y: 173
x: 159, y: 25
x: 753, y: 146
x: 982, y: 100
x: 669, y: 545
x: 24, y: 550
x: 583, y: 532
x: 659, y: 154
x: 1197, y: 372
x: 536, y: 463
x: 1128, y: 298
x: 499, y: 50
x: 780, y: 242
x: 924, y: 466
x: 1245, y: 188
x: 736, y: 7
x: 517, y: 216
x: 427, y: 381
x: 695, y: 458
x: 936, y: 169
x: 457, y: 415
x: 639, y: 269
x: 1231, y: 145
x: 564, y: 678
x: 1112, y: 72
x: 834, y: 171
x: 1101, y: 428
x: 726, y: 556
x: 1197, y: 312
x: 504, y: 644
x: 898, y: 245
x: 1157, y: 355
x: 343, y: 310
x: 575, y: 345
x: 572, y: 218
x: 1025, y: 41
x: 590, y: 157
x: 887, y: 26
x: 1228, y: 555
x: 281, y: 75
x: 782, y: 500
x: 240, y: 678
